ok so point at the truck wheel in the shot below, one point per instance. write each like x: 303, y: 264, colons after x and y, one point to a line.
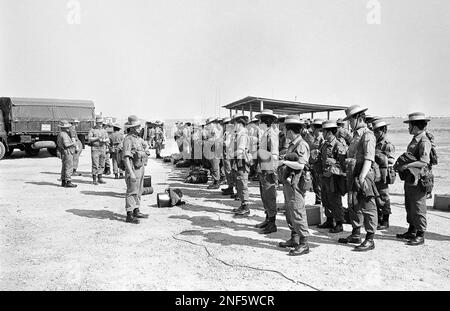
x: 52, y: 151
x: 2, y: 150
x: 31, y: 152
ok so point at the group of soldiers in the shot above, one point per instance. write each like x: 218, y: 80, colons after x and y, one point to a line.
x: 312, y: 155
x: 282, y: 151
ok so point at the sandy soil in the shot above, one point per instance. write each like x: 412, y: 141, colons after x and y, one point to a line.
x: 54, y: 238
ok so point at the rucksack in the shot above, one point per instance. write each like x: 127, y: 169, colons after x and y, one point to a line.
x: 197, y: 176
x: 433, y: 154
x: 121, y: 160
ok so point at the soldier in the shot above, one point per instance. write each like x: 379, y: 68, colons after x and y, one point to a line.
x: 78, y: 146
x: 212, y: 137
x: 66, y: 148
x: 116, y: 144
x: 159, y: 139
x: 343, y: 132
x: 267, y: 161
x: 109, y: 130
x: 253, y: 134
x: 415, y: 195
x: 241, y: 163
x: 332, y: 160
x: 297, y: 157
x: 315, y: 141
x: 369, y: 119
x: 178, y: 135
x: 283, y: 142
x: 135, y: 152
x: 228, y: 144
x: 98, y: 137
x: 384, y: 156
x: 361, y: 180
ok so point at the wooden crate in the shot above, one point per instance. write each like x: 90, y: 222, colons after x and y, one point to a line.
x: 442, y: 202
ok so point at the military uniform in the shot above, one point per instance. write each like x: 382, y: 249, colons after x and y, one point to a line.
x: 66, y: 149
x: 384, y: 151
x: 98, y: 151
x: 213, y: 150
x: 294, y: 195
x: 362, y: 207
x: 240, y: 165
x: 415, y: 195
x: 331, y: 160
x: 78, y: 148
x: 228, y: 144
x: 159, y: 140
x: 343, y: 133
x: 315, y: 143
x: 116, y: 144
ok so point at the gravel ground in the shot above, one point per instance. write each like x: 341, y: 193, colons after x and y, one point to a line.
x: 54, y: 238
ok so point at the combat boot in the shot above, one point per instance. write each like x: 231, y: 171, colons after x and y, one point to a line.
x: 263, y: 224
x: 408, y: 235
x: 353, y: 238
x: 131, y: 219
x: 292, y: 242
x: 121, y: 176
x: 94, y: 179
x: 244, y: 210
x: 116, y: 176
x: 301, y: 249
x: 270, y: 228
x: 138, y: 214
x: 70, y: 185
x: 328, y: 224
x: 233, y: 195
x: 419, y: 239
x: 384, y: 223
x: 367, y: 245
x: 63, y: 183
x: 75, y: 173
x: 338, y: 228
x: 107, y: 171
x: 100, y: 179
x: 228, y: 191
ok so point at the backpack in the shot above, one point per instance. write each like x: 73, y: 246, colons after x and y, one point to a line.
x: 197, y: 176
x: 120, y: 160
x: 433, y: 154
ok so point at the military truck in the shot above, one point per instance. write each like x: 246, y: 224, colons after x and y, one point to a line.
x: 32, y: 124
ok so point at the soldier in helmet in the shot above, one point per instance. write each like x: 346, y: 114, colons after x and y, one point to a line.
x: 116, y: 144
x: 343, y: 133
x: 315, y: 141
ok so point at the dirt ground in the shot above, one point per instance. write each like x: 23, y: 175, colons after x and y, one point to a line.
x: 54, y: 238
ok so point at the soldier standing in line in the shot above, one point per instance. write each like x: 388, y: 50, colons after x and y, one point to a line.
x: 315, y: 141
x: 66, y: 148
x: 267, y: 165
x: 212, y: 138
x: 109, y: 131
x: 98, y: 138
x: 135, y: 152
x: 283, y: 141
x: 78, y: 146
x: 297, y: 157
x: 253, y: 134
x: 116, y: 144
x: 159, y: 138
x: 369, y: 119
x: 361, y: 177
x: 227, y: 156
x: 241, y: 163
x: 384, y: 156
x: 416, y: 195
x: 331, y: 170
x: 343, y: 133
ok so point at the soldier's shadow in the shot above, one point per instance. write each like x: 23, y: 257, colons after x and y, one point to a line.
x: 43, y: 183
x: 98, y: 214
x: 104, y: 193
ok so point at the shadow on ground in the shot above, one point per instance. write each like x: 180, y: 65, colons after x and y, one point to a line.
x: 98, y: 214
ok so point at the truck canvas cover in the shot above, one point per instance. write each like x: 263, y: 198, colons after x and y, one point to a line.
x: 41, y: 115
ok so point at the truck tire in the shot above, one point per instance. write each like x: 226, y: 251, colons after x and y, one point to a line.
x: 52, y: 151
x: 31, y: 152
x: 2, y: 150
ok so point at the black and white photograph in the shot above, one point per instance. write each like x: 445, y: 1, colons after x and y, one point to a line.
x: 195, y: 146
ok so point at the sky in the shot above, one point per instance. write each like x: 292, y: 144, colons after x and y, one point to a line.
x: 168, y: 59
